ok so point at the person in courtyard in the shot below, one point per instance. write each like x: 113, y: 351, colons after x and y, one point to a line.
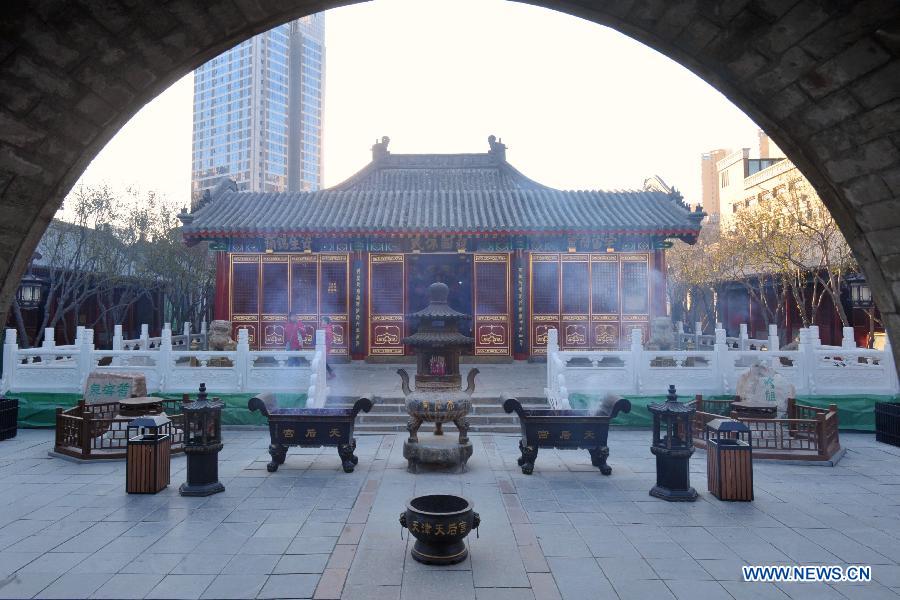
x: 293, y: 336
x: 329, y: 338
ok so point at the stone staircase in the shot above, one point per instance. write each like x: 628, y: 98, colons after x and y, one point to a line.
x: 389, y: 416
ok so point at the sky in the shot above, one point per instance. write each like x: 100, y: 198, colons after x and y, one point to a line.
x: 580, y: 106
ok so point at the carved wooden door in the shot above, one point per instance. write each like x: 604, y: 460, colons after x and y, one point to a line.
x: 492, y: 308
x: 386, y: 304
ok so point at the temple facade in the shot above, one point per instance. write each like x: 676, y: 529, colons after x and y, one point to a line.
x: 520, y: 257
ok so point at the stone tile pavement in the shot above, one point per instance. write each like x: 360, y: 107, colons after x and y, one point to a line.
x: 69, y: 530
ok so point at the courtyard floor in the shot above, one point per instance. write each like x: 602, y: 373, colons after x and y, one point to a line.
x: 69, y: 530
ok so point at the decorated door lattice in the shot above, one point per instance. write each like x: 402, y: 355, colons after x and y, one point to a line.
x: 266, y: 288
x: 386, y: 304
x: 492, y: 321
x: 594, y: 300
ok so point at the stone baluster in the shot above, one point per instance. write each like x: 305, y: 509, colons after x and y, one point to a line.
x: 806, y: 346
x: 552, y: 351
x: 815, y: 338
x: 743, y: 336
x: 774, y: 344
x: 848, y: 339
x: 637, y: 359
x: 117, y: 344
x: 164, y: 362
x: 242, y: 358
x: 49, y: 338
x: 723, y: 364
x: 144, y: 344
x: 10, y: 350
x: 86, y: 360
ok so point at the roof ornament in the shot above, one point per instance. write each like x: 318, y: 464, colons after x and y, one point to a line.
x: 380, y: 149
x: 185, y: 217
x: 497, y: 146
x: 698, y: 213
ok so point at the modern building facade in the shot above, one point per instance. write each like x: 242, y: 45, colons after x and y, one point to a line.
x: 258, y: 112
x: 709, y: 178
x: 745, y: 183
x: 521, y: 257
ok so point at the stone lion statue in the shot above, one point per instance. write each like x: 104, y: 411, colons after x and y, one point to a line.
x: 662, y: 334
x: 220, y: 336
x: 762, y: 383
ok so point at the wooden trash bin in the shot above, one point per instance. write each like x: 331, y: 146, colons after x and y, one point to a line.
x: 729, y: 460
x: 887, y: 423
x: 9, y: 418
x: 148, y: 455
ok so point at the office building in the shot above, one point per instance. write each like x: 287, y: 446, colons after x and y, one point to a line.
x: 258, y: 112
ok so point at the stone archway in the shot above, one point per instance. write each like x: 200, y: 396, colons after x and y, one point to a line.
x: 822, y: 78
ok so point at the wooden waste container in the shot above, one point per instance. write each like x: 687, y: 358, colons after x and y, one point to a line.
x: 729, y: 460
x: 148, y: 455
x: 9, y: 417
x: 887, y: 423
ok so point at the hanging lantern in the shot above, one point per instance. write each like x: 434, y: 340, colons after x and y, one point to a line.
x: 30, y: 293
x: 860, y: 293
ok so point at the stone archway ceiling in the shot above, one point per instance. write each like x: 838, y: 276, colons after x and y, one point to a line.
x: 821, y: 77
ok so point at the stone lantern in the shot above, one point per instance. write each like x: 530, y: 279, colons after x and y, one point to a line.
x: 673, y: 445
x: 202, y: 444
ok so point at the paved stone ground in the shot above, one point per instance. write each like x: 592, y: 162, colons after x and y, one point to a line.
x: 309, y: 530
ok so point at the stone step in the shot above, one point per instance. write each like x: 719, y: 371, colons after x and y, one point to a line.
x: 483, y: 419
x: 449, y: 430
x: 476, y: 400
x: 397, y: 407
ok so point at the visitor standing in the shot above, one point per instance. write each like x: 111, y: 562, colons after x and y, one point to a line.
x: 293, y: 333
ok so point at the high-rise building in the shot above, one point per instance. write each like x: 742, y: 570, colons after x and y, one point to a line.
x: 768, y: 148
x: 258, y: 112
x: 709, y: 177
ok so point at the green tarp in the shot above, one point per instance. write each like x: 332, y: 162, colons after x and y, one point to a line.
x: 639, y: 415
x: 854, y: 412
x: 39, y: 409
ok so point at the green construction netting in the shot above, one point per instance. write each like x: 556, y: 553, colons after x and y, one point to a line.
x: 855, y: 412
x: 39, y: 409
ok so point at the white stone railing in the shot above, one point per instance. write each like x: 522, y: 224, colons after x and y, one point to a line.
x: 813, y: 369
x: 52, y: 368
x: 698, y: 340
x: 145, y: 342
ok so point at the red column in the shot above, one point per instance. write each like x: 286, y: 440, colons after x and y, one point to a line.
x: 359, y: 329
x: 223, y: 293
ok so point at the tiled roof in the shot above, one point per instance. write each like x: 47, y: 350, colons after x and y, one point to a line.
x: 438, y: 172
x: 452, y: 193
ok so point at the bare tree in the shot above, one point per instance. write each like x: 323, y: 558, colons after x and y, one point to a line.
x: 694, y: 276
x: 790, y: 234
x: 113, y: 251
x: 72, y: 254
x: 187, y: 275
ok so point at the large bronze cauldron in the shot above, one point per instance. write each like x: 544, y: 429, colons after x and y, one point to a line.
x: 438, y: 406
x: 439, y: 522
